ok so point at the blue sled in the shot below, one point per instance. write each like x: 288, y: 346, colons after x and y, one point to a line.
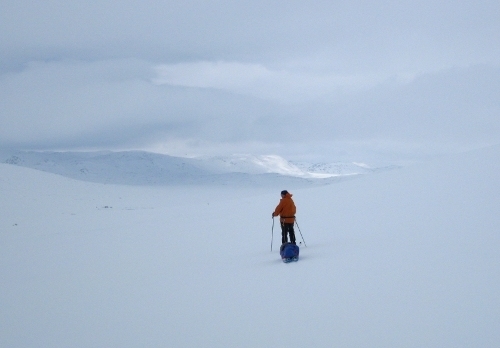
x: 289, y: 252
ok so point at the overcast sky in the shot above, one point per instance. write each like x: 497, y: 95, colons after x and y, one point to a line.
x: 294, y: 78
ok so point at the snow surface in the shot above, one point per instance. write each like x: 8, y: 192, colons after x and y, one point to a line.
x: 403, y: 258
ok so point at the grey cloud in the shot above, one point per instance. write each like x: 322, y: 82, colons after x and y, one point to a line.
x: 83, y: 74
x: 100, y: 105
x: 454, y: 105
x: 358, y: 33
x: 80, y: 100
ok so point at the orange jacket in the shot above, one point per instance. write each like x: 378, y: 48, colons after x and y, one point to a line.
x: 286, y: 209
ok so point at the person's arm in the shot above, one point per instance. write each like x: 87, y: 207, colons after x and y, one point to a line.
x: 278, y: 209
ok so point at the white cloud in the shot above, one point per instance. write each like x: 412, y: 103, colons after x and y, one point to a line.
x: 288, y: 84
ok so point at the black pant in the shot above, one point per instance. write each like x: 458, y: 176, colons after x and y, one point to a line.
x: 287, y: 229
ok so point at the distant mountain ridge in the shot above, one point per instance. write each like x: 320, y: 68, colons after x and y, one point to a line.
x: 145, y: 168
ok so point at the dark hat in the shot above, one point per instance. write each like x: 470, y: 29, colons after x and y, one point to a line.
x: 284, y: 192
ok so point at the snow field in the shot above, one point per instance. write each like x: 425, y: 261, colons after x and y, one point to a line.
x: 406, y: 258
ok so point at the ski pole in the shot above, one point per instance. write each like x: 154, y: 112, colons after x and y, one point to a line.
x: 300, y: 232
x: 272, y: 235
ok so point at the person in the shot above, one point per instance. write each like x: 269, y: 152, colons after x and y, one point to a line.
x: 286, y: 210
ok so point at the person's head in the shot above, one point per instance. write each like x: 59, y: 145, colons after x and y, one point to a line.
x: 284, y: 193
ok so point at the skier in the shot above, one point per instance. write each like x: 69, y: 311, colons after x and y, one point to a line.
x: 286, y: 210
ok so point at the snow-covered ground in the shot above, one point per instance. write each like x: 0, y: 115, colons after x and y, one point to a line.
x: 401, y: 258
x: 145, y: 168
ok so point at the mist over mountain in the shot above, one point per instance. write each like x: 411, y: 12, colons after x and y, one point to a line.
x: 145, y: 168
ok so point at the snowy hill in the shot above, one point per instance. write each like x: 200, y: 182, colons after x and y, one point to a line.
x: 143, y: 168
x: 405, y: 258
x: 340, y: 169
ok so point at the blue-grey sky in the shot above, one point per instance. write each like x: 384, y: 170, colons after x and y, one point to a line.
x: 296, y: 78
